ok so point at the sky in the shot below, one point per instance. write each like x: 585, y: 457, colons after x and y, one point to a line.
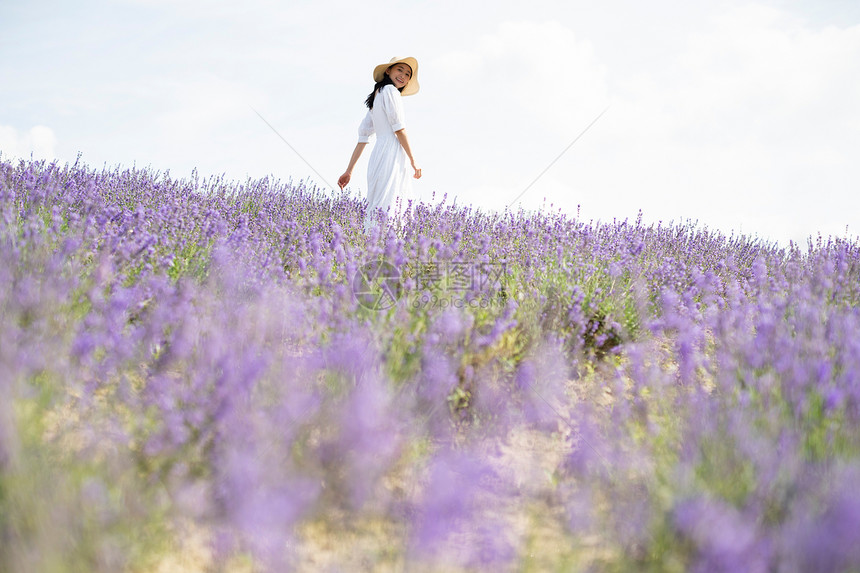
x: 741, y: 116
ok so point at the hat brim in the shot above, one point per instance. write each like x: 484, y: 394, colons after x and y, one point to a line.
x: 412, y: 86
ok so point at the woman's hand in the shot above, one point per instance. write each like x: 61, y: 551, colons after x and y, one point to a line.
x: 404, y: 142
x: 344, y: 180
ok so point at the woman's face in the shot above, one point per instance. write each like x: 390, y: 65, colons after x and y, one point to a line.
x: 400, y: 74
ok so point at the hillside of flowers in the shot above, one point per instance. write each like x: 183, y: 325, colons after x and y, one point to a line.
x: 209, y: 375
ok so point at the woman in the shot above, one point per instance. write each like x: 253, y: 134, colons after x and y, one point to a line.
x: 388, y: 182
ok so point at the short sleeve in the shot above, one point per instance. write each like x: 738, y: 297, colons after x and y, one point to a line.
x: 365, y: 130
x: 393, y: 107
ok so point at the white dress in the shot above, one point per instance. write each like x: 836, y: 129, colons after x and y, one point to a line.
x: 389, y: 181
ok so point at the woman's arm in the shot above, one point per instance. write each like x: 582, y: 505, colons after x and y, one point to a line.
x: 356, y: 153
x: 404, y: 142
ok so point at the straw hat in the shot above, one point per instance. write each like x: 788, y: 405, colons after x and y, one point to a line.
x: 412, y: 85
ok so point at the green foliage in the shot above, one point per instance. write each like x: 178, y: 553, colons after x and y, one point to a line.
x: 61, y: 512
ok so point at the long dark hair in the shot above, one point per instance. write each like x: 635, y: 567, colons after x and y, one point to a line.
x: 379, y: 85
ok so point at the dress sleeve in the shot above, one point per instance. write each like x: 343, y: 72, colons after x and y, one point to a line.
x: 393, y: 107
x: 365, y: 130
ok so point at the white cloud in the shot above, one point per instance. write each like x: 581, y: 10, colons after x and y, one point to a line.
x: 511, y: 100
x: 753, y: 125
x: 198, y: 107
x: 540, y: 71
x: 38, y: 141
x: 779, y: 99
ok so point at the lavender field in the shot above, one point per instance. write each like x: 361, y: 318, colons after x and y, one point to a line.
x: 203, y: 375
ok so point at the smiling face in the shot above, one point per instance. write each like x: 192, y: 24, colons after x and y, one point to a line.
x: 400, y: 74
